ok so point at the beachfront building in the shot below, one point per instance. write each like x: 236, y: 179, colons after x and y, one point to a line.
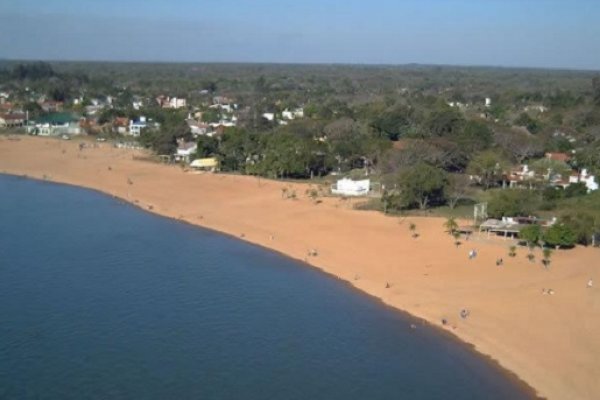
x: 12, y: 120
x: 58, y: 124
x: 349, y: 187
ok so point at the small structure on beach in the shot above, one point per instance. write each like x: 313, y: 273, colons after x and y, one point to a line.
x: 349, y: 187
x: 205, y: 164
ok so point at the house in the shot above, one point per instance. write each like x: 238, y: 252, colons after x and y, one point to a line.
x: 269, y: 116
x: 518, y: 176
x: 12, y: 120
x: 536, y: 107
x: 171, y: 102
x: 197, y: 128
x: 120, y: 125
x: 205, y: 164
x: 564, y: 157
x: 50, y: 106
x: 297, y: 113
x: 175, y: 102
x: 222, y: 100
x: 58, y: 124
x: 586, y: 178
x: 136, y: 126
x: 185, y: 150
x: 348, y: 187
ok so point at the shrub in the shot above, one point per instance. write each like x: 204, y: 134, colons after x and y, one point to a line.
x: 560, y: 235
x: 576, y: 190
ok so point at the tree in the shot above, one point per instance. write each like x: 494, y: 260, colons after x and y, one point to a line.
x: 547, y: 254
x: 488, y: 166
x: 444, y: 121
x: 583, y: 223
x: 475, y: 136
x: 550, y: 168
x: 207, y: 146
x: 513, y: 202
x: 560, y: 235
x: 576, y: 190
x: 458, y: 188
x: 519, y: 145
x: 422, y: 185
x: 451, y: 225
x: 532, y: 125
x: 596, y: 90
x: 532, y: 234
x: 413, y: 229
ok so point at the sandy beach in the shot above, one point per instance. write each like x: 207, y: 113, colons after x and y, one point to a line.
x: 550, y: 341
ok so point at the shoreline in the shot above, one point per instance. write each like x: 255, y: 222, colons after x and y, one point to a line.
x: 495, y: 364
x: 335, y: 226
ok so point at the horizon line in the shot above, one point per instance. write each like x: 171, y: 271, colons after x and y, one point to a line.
x: 308, y: 63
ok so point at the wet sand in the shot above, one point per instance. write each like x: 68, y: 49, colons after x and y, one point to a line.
x: 551, y: 341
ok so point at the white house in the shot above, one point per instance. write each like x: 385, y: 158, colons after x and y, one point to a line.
x: 136, y: 126
x: 297, y: 113
x: 185, y: 150
x: 348, y: 187
x: 585, y: 177
x: 175, y: 102
x: 269, y: 116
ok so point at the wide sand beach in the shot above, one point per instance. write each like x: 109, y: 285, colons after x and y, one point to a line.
x: 551, y: 341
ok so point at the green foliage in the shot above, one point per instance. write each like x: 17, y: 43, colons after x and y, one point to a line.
x: 444, y: 122
x: 532, y: 234
x: 475, y: 136
x: 451, y: 225
x: 422, y: 186
x: 576, y: 190
x: 513, y: 202
x: 207, y: 146
x: 560, y: 235
x: 488, y: 166
x: 596, y: 90
x: 583, y: 223
x: 533, y: 125
x: 33, y: 71
x: 547, y: 254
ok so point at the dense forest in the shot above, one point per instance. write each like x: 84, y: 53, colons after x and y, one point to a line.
x: 439, y: 138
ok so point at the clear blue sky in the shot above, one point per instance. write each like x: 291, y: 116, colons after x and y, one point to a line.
x: 532, y: 33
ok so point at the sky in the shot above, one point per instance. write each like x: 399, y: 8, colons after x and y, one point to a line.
x: 523, y: 33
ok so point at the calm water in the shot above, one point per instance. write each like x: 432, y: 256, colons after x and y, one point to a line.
x: 99, y: 300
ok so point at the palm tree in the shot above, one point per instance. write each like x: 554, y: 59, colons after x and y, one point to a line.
x: 413, y: 228
x: 451, y: 225
x: 456, y: 236
x: 547, y: 254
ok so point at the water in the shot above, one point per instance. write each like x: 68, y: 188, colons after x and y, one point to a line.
x: 100, y: 300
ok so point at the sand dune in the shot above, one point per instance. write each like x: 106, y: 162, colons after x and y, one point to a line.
x: 550, y: 341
